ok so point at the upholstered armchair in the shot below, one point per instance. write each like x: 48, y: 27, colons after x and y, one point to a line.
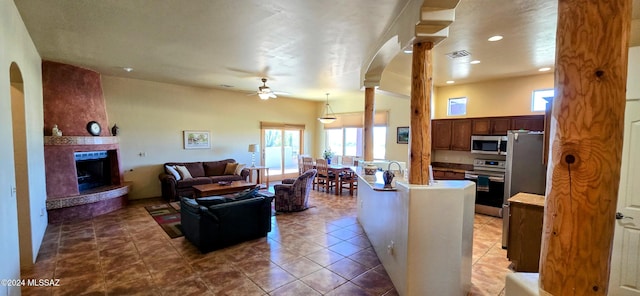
x: 294, y: 196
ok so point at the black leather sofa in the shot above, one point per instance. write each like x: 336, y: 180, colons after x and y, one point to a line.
x: 225, y: 223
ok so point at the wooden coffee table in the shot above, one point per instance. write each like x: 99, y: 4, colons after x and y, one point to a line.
x: 217, y: 189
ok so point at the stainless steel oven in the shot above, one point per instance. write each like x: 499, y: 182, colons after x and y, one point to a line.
x: 489, y: 178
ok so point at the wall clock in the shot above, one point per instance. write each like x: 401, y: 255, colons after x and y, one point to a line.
x: 94, y: 128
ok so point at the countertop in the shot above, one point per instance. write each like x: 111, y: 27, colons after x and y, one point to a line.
x: 528, y: 198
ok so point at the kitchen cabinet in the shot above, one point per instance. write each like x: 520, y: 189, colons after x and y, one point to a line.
x: 451, y: 134
x: 447, y: 175
x: 532, y: 123
x: 526, y: 213
x: 441, y: 134
x: 491, y: 126
x: 461, y: 135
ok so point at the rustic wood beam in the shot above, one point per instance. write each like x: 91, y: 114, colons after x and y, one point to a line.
x: 369, y: 113
x: 420, y: 130
x: 586, y: 135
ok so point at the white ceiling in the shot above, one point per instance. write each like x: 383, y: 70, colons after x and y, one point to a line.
x: 305, y: 48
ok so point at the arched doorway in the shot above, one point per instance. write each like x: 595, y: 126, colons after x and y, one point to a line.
x: 18, y: 119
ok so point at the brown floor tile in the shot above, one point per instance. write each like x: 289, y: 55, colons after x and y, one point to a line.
x: 349, y: 289
x: 186, y: 286
x: 322, y: 250
x: 301, y: 267
x: 345, y: 248
x: 324, y: 257
x: 373, y: 282
x: 296, y: 288
x: 347, y: 268
x: 272, y: 278
x: 323, y: 280
x: 366, y: 257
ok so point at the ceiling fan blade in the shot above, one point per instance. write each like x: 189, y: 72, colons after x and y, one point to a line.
x: 272, y: 95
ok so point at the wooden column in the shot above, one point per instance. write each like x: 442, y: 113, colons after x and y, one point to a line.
x: 369, y: 113
x: 421, y: 90
x: 586, y: 136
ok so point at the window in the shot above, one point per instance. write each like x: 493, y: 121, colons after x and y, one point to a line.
x: 349, y: 141
x: 457, y: 106
x: 538, y: 99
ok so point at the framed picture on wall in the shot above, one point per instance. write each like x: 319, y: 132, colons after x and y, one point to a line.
x: 403, y: 135
x: 196, y: 140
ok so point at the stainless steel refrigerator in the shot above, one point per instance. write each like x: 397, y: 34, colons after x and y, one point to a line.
x: 525, y: 171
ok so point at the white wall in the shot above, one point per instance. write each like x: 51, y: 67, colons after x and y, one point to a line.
x: 152, y: 116
x: 16, y: 46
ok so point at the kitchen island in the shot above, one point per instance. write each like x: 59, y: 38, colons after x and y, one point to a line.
x: 422, y: 234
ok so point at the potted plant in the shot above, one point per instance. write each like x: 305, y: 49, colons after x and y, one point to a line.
x: 328, y: 154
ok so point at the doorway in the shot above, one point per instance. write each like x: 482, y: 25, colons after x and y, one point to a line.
x: 18, y: 120
x: 282, y: 146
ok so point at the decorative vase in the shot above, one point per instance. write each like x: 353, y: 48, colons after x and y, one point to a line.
x: 370, y: 169
x: 328, y: 160
x: 387, y: 176
x: 114, y: 130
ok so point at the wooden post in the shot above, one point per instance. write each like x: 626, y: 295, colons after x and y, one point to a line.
x: 420, y: 131
x: 369, y: 113
x: 586, y: 136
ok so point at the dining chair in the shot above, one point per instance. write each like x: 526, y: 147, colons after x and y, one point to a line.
x: 348, y: 180
x: 325, y: 178
x: 307, y: 164
x: 348, y: 160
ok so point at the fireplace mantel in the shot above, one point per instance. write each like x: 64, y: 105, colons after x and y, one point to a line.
x: 79, y: 140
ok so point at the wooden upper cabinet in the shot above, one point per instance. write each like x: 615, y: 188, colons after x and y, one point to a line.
x: 461, y: 135
x: 532, y: 123
x: 441, y: 134
x: 481, y: 126
x: 500, y: 126
x: 490, y: 126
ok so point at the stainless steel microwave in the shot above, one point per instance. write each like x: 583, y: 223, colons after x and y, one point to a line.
x: 496, y: 145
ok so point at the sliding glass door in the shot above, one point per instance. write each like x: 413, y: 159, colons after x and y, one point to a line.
x: 282, y: 145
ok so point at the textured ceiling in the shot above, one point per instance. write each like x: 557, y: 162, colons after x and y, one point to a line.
x: 305, y: 48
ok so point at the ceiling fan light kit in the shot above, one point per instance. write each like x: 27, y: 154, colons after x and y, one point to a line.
x: 265, y: 92
x: 328, y: 116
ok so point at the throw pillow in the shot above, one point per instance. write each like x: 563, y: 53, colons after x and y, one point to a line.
x: 184, y: 173
x: 172, y: 171
x: 230, y: 169
x: 210, y: 200
x: 239, y: 169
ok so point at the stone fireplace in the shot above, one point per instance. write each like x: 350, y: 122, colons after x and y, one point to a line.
x: 83, y: 173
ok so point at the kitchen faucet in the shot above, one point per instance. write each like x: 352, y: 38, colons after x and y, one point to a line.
x: 399, y: 167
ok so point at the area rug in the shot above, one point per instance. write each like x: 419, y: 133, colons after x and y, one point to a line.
x: 168, y: 217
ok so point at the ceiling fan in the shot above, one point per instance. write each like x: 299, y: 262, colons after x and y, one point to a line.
x: 265, y: 92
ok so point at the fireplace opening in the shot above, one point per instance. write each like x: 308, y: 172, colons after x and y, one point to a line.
x: 93, y: 169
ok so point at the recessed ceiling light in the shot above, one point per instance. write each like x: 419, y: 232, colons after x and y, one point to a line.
x: 545, y: 69
x: 474, y: 62
x: 450, y: 82
x: 408, y: 51
x: 495, y: 38
x: 127, y: 69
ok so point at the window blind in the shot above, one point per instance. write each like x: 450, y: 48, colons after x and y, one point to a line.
x: 356, y: 119
x: 280, y: 125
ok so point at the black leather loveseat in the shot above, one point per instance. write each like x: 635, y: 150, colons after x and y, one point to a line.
x: 218, y: 222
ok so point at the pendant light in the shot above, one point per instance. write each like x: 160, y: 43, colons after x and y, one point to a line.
x: 328, y: 117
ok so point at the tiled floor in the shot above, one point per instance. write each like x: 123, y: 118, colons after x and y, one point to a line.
x: 319, y: 251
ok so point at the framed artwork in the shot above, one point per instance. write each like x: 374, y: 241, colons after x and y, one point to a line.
x: 196, y: 140
x: 403, y: 135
